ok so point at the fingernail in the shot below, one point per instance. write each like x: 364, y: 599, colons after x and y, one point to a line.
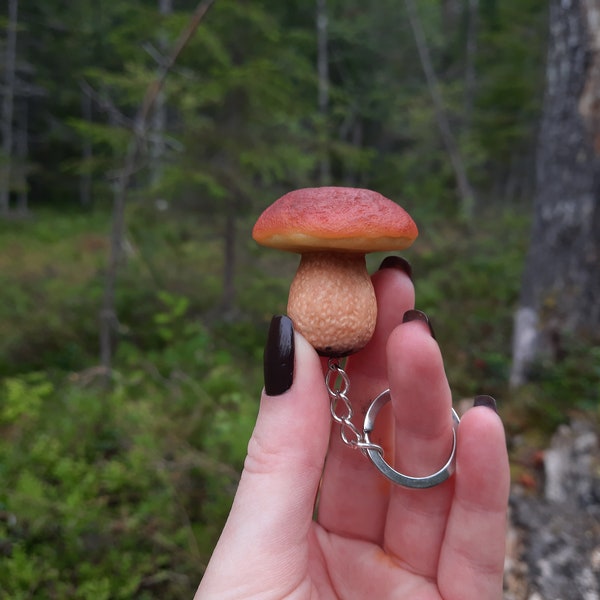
x: 279, y: 356
x: 486, y: 401
x: 418, y: 315
x: 396, y: 262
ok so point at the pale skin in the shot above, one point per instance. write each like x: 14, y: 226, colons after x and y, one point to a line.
x: 369, y: 539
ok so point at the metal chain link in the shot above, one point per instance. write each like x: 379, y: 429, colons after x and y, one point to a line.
x: 338, y: 386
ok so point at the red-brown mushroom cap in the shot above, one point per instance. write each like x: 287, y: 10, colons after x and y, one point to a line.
x: 335, y: 218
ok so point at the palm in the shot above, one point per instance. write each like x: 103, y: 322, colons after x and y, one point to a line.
x: 357, y: 569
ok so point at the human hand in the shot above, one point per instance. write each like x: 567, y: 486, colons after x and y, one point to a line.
x: 366, y: 538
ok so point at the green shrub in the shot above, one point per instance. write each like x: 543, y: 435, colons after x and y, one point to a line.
x: 121, y: 493
x: 558, y: 390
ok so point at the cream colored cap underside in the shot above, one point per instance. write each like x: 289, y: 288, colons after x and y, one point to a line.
x: 300, y: 242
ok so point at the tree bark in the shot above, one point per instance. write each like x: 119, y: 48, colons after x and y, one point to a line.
x: 8, y: 105
x: 560, y: 294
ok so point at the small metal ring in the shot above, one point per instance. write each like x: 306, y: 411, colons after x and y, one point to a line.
x: 396, y: 477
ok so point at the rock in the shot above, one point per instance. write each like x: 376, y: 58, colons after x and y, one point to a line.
x: 559, y: 530
x: 516, y: 573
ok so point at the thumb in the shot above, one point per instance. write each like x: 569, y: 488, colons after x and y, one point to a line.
x: 288, y: 446
x: 273, y: 507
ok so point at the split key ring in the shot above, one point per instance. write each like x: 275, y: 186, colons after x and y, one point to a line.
x: 375, y: 453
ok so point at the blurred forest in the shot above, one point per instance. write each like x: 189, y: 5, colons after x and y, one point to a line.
x: 133, y: 302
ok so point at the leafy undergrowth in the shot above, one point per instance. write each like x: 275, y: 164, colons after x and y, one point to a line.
x: 120, y: 491
x: 467, y: 280
x: 49, y: 282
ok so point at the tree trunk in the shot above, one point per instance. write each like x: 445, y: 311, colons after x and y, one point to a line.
x: 8, y: 105
x: 159, y: 116
x: 229, y: 242
x: 451, y: 10
x: 108, y: 312
x: 87, y: 153
x: 470, y: 60
x: 467, y: 196
x: 22, y: 151
x: 323, y: 83
x: 560, y: 295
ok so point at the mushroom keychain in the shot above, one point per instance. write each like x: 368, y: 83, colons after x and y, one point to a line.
x: 332, y: 301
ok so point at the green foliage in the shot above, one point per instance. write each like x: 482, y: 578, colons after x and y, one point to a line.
x: 559, y: 389
x: 49, y: 308
x: 23, y: 397
x: 121, y: 491
x: 468, y: 282
x: 511, y: 81
x: 243, y: 102
x: 166, y: 321
x: 120, y: 494
x: 242, y: 111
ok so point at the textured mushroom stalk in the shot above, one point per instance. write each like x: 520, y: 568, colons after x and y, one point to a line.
x: 332, y: 302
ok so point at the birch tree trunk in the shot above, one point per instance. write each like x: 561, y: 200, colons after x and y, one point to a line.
x: 10, y: 79
x: 560, y: 294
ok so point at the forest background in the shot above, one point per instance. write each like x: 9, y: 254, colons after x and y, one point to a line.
x: 131, y: 343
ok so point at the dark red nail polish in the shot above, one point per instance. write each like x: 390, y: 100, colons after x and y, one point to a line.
x: 279, y: 356
x: 396, y: 262
x: 418, y: 315
x: 486, y: 401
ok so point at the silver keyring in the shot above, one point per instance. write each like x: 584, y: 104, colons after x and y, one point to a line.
x: 376, y: 455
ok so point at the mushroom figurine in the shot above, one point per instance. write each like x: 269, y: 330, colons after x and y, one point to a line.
x: 332, y: 301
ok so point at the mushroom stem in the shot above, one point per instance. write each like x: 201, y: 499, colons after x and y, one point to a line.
x: 332, y: 302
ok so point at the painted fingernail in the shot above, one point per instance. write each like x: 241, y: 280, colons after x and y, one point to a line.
x: 486, y: 401
x: 418, y: 315
x: 279, y: 356
x: 396, y: 262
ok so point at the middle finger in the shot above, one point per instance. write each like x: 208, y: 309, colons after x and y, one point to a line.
x: 416, y: 518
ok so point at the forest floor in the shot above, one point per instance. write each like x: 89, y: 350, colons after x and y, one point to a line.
x: 553, y: 541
